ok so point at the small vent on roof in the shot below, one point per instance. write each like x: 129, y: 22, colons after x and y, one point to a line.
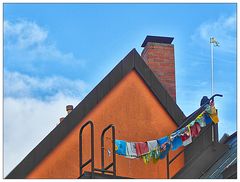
x: 69, y: 108
x: 61, y: 119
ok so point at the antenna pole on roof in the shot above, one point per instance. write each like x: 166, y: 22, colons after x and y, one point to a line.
x: 213, y: 43
x: 211, y: 66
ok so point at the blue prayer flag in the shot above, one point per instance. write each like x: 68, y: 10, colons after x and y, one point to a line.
x: 120, y: 147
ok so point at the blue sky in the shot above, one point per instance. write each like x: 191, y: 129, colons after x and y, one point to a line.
x: 54, y: 54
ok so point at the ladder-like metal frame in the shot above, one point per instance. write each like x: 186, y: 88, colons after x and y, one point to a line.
x: 113, y: 164
x: 103, y: 169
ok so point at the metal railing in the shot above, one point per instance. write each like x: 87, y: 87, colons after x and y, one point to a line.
x: 113, y: 164
x: 103, y: 169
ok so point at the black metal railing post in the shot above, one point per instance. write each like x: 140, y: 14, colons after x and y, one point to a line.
x: 168, y: 175
x: 113, y: 164
x: 91, y: 160
x: 114, y: 152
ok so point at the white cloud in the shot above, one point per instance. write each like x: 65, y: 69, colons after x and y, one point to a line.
x: 27, y: 121
x: 27, y: 45
x: 23, y: 34
x: 223, y: 29
x: 22, y: 85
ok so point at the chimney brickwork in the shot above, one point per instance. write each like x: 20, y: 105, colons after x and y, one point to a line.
x: 158, y: 53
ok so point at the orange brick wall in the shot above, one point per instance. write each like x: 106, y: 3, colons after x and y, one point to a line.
x: 137, y: 116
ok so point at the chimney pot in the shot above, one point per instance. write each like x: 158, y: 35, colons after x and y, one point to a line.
x: 69, y: 108
x: 157, y: 39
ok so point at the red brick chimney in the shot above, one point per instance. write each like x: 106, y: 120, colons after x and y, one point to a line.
x: 158, y: 53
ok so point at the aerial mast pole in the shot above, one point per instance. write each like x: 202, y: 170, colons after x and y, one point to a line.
x: 213, y: 43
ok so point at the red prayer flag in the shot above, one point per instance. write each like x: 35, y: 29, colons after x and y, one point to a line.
x: 141, y: 148
x: 195, y: 129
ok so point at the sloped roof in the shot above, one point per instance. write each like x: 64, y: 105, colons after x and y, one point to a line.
x: 132, y: 61
x: 226, y: 163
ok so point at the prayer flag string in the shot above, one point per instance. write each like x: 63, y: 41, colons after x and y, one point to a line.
x: 158, y: 149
